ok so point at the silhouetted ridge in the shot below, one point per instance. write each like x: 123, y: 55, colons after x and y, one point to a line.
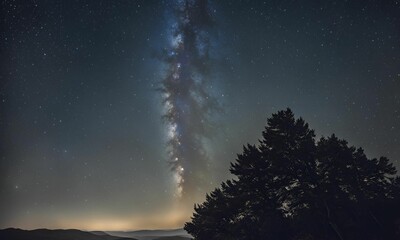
x: 46, y: 234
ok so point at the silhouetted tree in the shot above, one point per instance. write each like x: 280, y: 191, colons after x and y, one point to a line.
x: 290, y: 187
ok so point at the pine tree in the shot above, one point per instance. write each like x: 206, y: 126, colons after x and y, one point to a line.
x: 290, y: 187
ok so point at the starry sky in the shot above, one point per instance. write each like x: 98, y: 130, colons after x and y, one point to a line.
x: 83, y: 143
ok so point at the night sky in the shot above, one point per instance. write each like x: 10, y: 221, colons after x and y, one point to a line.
x: 85, y: 134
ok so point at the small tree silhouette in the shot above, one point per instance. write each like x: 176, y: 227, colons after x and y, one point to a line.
x: 290, y: 187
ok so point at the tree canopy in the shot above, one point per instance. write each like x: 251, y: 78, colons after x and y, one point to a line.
x: 290, y: 186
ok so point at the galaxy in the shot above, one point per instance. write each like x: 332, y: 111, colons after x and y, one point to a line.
x: 122, y: 115
x: 186, y: 95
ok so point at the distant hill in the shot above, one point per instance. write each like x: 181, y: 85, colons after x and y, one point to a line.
x: 45, y: 234
x: 172, y: 238
x: 171, y: 234
x: 101, y: 233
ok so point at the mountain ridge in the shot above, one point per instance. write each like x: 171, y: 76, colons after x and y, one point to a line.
x: 56, y: 234
x: 76, y: 234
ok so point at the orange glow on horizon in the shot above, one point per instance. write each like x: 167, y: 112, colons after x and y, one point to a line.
x: 173, y: 219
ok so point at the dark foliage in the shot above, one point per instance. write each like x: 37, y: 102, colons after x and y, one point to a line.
x: 292, y: 187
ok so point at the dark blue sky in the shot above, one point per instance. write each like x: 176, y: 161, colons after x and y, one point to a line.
x: 82, y: 140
